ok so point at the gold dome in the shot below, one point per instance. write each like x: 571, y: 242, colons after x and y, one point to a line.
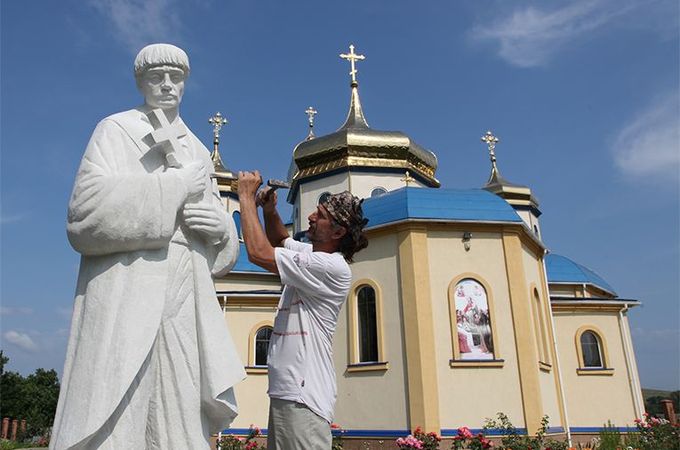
x: 355, y: 145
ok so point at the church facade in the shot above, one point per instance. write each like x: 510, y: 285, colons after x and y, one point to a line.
x: 457, y: 311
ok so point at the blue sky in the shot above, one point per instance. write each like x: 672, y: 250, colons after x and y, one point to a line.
x: 583, y: 95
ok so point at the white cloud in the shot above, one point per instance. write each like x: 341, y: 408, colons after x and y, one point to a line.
x: 141, y: 22
x: 5, y: 219
x: 14, y: 310
x: 21, y: 340
x: 530, y: 37
x: 649, y: 145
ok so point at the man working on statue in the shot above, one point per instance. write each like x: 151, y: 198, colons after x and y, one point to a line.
x: 316, y: 279
x: 150, y: 363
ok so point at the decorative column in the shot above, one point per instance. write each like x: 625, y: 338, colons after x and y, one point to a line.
x: 416, y: 305
x: 5, y: 428
x: 668, y: 411
x: 525, y: 344
x: 15, y: 426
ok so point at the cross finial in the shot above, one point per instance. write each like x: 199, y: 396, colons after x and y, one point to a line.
x: 408, y: 178
x: 490, y: 140
x: 311, y: 112
x: 352, y: 58
x: 217, y: 121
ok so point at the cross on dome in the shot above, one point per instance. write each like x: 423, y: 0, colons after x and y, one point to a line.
x: 352, y: 58
x: 490, y: 140
x: 217, y: 122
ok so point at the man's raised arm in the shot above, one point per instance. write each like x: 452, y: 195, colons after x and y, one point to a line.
x: 260, y: 251
x: 273, y: 225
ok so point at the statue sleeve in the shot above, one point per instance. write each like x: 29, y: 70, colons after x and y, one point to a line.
x: 116, y: 205
x: 227, y: 251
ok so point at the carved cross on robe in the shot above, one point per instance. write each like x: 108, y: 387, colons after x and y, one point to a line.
x: 166, y: 135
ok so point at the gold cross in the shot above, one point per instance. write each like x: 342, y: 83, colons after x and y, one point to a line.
x: 408, y: 178
x: 166, y: 135
x: 311, y: 112
x: 352, y: 58
x: 491, y: 140
x: 217, y: 121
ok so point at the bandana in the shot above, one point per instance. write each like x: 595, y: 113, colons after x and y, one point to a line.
x: 346, y: 210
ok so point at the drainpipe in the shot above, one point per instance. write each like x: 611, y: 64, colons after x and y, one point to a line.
x: 557, y: 353
x: 632, y: 381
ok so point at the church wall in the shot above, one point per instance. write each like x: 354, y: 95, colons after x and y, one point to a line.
x: 363, y: 183
x: 251, y: 393
x: 470, y: 394
x: 594, y: 399
x: 374, y: 399
x: 566, y: 290
x: 310, y: 191
x: 234, y: 282
x: 542, y: 325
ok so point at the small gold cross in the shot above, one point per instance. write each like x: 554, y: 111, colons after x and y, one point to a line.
x: 217, y: 121
x: 408, y: 178
x: 352, y: 58
x: 311, y: 112
x: 490, y: 140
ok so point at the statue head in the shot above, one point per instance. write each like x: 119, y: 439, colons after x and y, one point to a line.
x: 160, y: 72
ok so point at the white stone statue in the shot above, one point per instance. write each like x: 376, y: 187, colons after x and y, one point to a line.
x: 150, y: 363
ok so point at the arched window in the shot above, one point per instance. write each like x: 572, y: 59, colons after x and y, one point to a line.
x: 323, y: 197
x: 262, y: 338
x: 378, y: 192
x: 591, y: 349
x: 237, y: 222
x: 473, y: 321
x: 539, y: 328
x: 368, y: 328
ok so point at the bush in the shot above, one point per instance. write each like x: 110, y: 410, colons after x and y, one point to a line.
x: 654, y: 434
x: 514, y: 441
x: 232, y: 442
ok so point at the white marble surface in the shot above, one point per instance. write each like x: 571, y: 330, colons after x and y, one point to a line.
x: 150, y: 362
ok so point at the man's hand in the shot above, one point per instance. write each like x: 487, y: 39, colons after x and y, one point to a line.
x: 206, y: 219
x: 248, y: 184
x: 266, y: 198
x: 194, y: 177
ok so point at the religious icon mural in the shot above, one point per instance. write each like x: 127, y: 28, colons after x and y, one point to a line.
x: 473, y: 321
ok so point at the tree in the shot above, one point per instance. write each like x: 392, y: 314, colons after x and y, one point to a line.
x: 33, y: 398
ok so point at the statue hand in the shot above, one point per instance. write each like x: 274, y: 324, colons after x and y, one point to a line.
x: 207, y: 219
x: 194, y: 177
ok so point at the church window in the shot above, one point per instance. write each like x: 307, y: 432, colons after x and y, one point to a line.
x: 473, y: 327
x: 377, y: 192
x: 366, y: 344
x: 323, y: 197
x: 591, y: 350
x: 237, y: 221
x: 368, y: 330
x: 540, y: 328
x: 262, y: 346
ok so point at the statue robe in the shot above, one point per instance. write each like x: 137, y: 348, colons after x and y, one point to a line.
x: 124, y: 219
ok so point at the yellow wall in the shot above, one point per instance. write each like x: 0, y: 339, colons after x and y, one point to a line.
x: 468, y: 395
x: 594, y: 399
x: 362, y: 394
x: 251, y: 393
x: 550, y: 395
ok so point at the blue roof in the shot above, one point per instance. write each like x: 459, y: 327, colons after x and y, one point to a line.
x: 563, y: 270
x: 473, y: 205
x: 242, y: 263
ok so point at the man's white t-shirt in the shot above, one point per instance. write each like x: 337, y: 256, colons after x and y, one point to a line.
x: 300, y: 355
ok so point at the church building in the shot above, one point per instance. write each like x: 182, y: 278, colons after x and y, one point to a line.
x: 458, y: 310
